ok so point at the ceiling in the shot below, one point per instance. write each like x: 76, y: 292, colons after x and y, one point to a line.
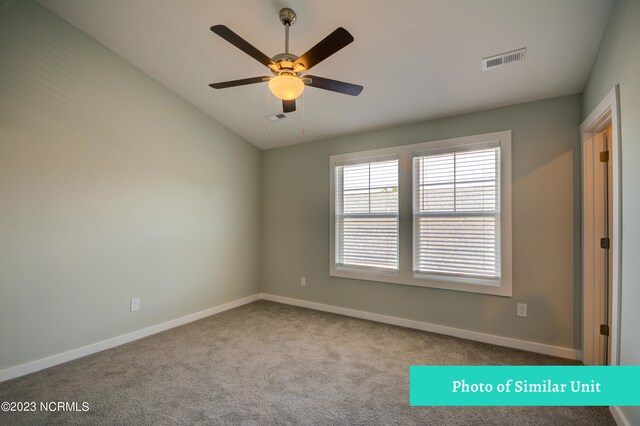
x: 417, y: 59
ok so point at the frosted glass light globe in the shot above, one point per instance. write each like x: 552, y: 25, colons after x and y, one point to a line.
x: 286, y: 87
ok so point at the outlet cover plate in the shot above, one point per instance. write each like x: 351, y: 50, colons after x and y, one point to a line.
x: 135, y: 304
x: 522, y: 310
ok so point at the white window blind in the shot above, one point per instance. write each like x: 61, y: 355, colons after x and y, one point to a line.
x: 366, y: 214
x: 457, y: 212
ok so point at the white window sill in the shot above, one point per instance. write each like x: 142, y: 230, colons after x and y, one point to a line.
x: 470, y: 285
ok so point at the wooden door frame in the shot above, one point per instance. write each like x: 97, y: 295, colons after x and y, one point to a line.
x: 607, y: 110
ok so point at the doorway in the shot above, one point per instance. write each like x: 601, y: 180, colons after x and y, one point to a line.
x: 601, y: 233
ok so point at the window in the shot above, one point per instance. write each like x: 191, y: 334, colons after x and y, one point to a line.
x: 367, y: 215
x: 435, y: 214
x: 457, y: 212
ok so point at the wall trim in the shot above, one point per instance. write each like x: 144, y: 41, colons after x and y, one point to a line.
x: 41, y: 364
x: 433, y: 328
x: 619, y: 417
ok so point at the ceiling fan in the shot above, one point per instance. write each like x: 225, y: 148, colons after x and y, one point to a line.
x: 287, y: 83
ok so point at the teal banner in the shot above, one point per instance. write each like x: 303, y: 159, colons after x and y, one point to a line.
x: 526, y: 385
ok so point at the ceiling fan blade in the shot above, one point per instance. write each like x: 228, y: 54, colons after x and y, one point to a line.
x: 242, y: 82
x: 334, y: 85
x: 233, y: 38
x: 289, y: 106
x: 325, y: 48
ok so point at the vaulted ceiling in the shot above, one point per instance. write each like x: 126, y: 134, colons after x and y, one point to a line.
x: 417, y: 59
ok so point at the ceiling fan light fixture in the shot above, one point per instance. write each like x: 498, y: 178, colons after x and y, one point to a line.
x: 287, y: 83
x: 286, y: 87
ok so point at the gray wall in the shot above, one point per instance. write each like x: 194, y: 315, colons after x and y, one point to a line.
x: 111, y: 187
x: 618, y: 62
x: 546, y: 226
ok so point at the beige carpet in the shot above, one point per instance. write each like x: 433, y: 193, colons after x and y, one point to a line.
x: 267, y: 363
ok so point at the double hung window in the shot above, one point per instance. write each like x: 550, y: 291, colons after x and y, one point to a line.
x: 435, y: 214
x: 457, y: 212
x: 367, y: 214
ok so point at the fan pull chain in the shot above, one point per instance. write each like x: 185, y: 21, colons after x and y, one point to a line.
x: 268, y: 110
x: 302, y: 128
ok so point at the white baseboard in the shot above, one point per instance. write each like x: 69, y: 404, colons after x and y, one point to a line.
x: 434, y: 328
x: 40, y: 364
x: 619, y: 417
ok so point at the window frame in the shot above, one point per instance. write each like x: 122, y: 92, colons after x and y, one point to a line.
x: 375, y: 270
x: 456, y: 149
x: 405, y: 274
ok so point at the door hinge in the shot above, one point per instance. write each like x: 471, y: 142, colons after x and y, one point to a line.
x: 604, y: 156
x: 604, y: 329
x: 605, y: 243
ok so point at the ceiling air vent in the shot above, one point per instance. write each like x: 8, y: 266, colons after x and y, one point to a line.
x: 276, y: 117
x: 504, y: 58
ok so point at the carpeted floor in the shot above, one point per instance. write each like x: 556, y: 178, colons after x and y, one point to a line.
x: 267, y: 363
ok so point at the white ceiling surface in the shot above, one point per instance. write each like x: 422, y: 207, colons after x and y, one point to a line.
x: 417, y: 59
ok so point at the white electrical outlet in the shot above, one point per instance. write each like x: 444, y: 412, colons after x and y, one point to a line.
x: 522, y: 310
x: 303, y: 281
x: 135, y: 304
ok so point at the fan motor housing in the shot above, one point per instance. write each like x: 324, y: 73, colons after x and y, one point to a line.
x: 285, y: 63
x: 289, y: 57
